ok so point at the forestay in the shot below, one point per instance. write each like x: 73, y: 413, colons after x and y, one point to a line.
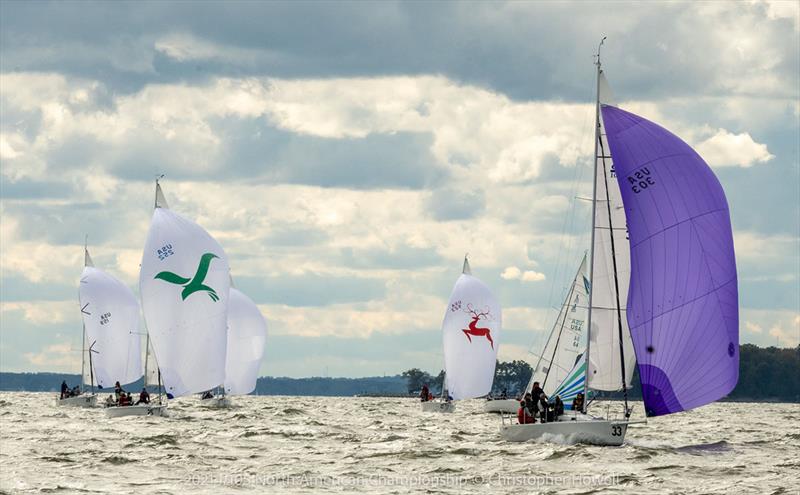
x: 471, y: 334
x: 566, y: 340
x: 683, y: 302
x: 184, y: 282
x: 247, y: 335
x: 111, y: 323
x: 609, y: 296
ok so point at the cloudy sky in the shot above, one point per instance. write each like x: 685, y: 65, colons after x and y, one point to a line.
x: 348, y: 155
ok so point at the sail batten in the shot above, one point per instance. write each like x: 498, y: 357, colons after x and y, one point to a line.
x: 683, y: 301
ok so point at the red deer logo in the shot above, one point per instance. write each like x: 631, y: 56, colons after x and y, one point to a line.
x: 473, y: 325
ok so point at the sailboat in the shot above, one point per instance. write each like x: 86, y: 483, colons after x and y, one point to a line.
x: 560, y: 365
x: 83, y: 399
x: 670, y: 261
x: 471, y: 338
x: 247, y: 335
x: 184, y: 284
x: 110, y: 320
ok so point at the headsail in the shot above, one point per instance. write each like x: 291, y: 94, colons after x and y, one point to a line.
x: 247, y: 334
x: 683, y: 302
x: 151, y: 367
x: 572, y: 384
x: 605, y: 362
x: 184, y: 284
x: 471, y: 334
x: 566, y: 341
x: 110, y: 314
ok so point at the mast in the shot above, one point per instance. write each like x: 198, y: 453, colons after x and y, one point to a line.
x: 602, y: 157
x: 146, y: 357
x: 83, y: 336
x: 594, y: 211
x: 155, y: 206
x: 91, y: 367
x: 83, y: 355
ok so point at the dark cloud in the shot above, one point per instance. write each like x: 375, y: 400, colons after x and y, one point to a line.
x: 455, y: 204
x: 397, y: 257
x: 16, y: 288
x: 29, y: 189
x: 53, y: 224
x: 310, y: 289
x: 525, y: 50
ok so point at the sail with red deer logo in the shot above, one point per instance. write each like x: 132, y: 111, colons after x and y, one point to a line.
x: 471, y: 334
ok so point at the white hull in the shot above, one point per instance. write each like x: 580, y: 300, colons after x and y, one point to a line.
x: 438, y: 406
x: 571, y: 429
x: 501, y: 406
x: 84, y: 400
x: 140, y: 410
x: 216, y: 402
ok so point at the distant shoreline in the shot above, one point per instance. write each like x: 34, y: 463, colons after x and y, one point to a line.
x: 368, y: 387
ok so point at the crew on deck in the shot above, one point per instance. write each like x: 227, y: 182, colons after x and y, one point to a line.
x: 577, y: 403
x: 144, y: 397
x: 558, y: 407
x: 424, y: 394
x: 524, y: 415
x: 542, y: 407
x: 118, y: 391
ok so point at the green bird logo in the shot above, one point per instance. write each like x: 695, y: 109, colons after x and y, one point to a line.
x: 190, y: 286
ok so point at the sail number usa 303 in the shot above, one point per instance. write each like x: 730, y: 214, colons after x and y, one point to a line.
x: 641, y: 180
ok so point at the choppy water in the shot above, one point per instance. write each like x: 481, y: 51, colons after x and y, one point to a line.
x: 374, y: 445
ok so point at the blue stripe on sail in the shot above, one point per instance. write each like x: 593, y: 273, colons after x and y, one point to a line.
x: 572, y: 389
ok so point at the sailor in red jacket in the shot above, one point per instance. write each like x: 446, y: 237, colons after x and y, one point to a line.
x: 524, y: 416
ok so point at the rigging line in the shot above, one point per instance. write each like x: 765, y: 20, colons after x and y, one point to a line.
x: 569, y: 221
x: 616, y: 279
x: 561, y: 330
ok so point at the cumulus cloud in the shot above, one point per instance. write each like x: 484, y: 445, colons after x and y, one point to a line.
x: 347, y: 166
x: 514, y: 273
x: 725, y: 149
x: 772, y: 327
x: 56, y: 357
x: 753, y: 327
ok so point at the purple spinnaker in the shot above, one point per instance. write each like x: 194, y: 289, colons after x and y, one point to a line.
x: 683, y: 309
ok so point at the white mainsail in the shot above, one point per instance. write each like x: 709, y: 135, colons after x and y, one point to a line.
x: 111, y: 324
x: 609, y: 293
x: 566, y: 341
x: 247, y: 334
x: 471, y: 334
x: 184, y: 283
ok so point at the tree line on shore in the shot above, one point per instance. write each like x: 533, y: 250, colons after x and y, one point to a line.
x: 765, y: 374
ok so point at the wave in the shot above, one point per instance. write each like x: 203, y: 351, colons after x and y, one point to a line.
x: 291, y: 411
x: 705, y: 448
